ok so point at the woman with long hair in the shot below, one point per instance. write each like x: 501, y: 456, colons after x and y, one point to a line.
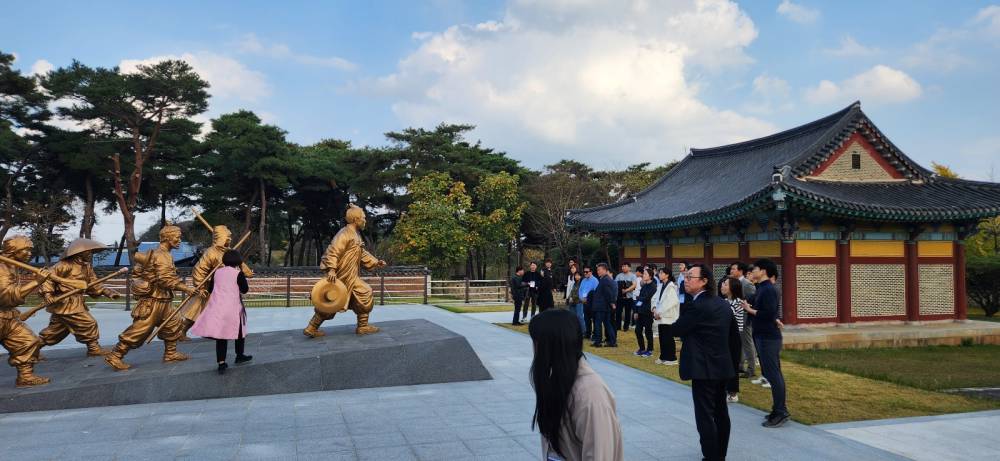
x: 666, y: 310
x: 574, y: 409
x: 732, y: 291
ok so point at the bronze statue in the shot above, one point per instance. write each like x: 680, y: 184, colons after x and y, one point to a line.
x: 21, y: 343
x: 71, y: 314
x: 342, y: 287
x: 222, y: 238
x: 154, y: 306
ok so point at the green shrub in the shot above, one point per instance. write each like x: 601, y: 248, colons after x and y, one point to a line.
x: 983, y: 282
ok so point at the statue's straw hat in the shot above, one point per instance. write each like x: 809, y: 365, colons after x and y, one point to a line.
x: 81, y: 244
x: 330, y: 298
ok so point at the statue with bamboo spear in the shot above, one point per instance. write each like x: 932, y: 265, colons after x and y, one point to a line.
x: 222, y: 240
x: 153, y: 311
x: 69, y: 314
x: 20, y: 342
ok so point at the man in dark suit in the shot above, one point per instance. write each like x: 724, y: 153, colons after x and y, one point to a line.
x: 709, y: 357
x: 602, y: 302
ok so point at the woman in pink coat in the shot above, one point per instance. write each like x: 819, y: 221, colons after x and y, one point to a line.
x: 224, y: 317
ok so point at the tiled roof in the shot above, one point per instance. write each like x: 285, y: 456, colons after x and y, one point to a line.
x: 722, y: 184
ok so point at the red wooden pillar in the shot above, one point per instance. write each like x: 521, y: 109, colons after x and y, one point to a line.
x: 912, y: 282
x: 961, y: 301
x: 709, y: 260
x: 843, y: 281
x: 744, y: 251
x: 789, y: 311
x: 642, y: 252
x: 669, y: 253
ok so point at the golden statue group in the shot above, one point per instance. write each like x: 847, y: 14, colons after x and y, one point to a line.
x: 154, y: 280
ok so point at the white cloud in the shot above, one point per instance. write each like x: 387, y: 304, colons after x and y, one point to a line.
x: 41, y: 67
x: 850, y: 48
x: 599, y: 81
x: 879, y: 85
x: 769, y: 95
x: 947, y: 49
x: 798, y: 13
x: 228, y: 77
x: 251, y: 44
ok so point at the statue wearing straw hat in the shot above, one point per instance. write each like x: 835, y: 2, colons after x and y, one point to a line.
x: 70, y: 314
x: 342, y: 288
x: 222, y: 239
x: 21, y: 343
x: 154, y: 307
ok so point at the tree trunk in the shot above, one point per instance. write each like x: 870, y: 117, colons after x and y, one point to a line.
x: 121, y: 246
x: 163, y: 211
x: 262, y: 229
x: 248, y: 213
x: 302, y: 249
x: 89, y: 216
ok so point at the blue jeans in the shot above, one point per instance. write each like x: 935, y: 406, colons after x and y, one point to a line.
x: 602, y: 321
x: 579, y: 315
x: 769, y: 351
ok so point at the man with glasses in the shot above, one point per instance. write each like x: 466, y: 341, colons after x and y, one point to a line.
x: 587, y: 285
x: 709, y: 356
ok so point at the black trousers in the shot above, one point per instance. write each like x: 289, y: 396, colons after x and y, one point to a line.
x: 602, y: 321
x: 588, y: 321
x: 532, y: 301
x: 711, y: 416
x: 623, y: 315
x: 644, y: 327
x: 221, y: 345
x: 668, y: 348
x: 518, y: 302
x: 769, y: 351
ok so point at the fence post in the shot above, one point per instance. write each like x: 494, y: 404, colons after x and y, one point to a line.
x: 467, y: 290
x: 288, y: 290
x: 381, y: 282
x: 128, y: 291
x: 426, y: 286
x: 506, y: 292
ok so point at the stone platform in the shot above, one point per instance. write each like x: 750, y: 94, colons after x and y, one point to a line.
x: 946, y: 333
x: 405, y: 352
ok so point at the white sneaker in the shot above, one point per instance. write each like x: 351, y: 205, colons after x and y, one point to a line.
x: 659, y: 362
x: 766, y: 385
x: 760, y: 381
x: 732, y: 398
x: 670, y: 362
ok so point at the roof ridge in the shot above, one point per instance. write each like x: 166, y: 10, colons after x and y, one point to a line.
x: 776, y: 137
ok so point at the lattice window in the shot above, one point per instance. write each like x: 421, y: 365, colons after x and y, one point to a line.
x: 937, y: 289
x: 675, y: 268
x: 816, y: 291
x: 719, y: 271
x: 878, y: 290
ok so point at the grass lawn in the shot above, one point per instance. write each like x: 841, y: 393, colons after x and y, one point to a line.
x: 474, y: 308
x: 929, y: 367
x: 977, y: 313
x: 818, y: 395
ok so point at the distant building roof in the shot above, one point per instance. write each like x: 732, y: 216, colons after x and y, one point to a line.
x: 183, y: 255
x: 727, y: 183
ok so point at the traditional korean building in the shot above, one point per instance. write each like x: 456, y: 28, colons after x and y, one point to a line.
x: 860, y: 232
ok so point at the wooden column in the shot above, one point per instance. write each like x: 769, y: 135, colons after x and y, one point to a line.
x: 911, y: 284
x: 642, y: 252
x: 709, y: 260
x: 789, y: 311
x: 961, y: 301
x: 844, y: 281
x: 669, y: 253
x: 744, y: 252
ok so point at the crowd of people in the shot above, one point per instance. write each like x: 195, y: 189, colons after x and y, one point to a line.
x: 729, y: 328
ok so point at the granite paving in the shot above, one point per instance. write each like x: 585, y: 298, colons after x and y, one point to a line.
x: 466, y: 420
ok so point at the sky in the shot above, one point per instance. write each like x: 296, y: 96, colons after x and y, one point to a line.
x: 606, y: 82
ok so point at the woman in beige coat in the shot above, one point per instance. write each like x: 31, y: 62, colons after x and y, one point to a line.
x: 574, y: 409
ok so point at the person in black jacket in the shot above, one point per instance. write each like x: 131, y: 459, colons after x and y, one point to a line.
x: 602, y: 303
x: 642, y: 313
x: 532, y: 279
x: 545, y: 286
x: 518, y: 290
x: 709, y: 357
x: 765, y: 310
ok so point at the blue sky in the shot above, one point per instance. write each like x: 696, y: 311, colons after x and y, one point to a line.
x: 606, y: 82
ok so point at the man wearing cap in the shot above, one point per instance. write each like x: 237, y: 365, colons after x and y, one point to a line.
x: 342, y: 287
x: 71, y: 315
x: 154, y: 306
x: 221, y: 240
x: 21, y: 343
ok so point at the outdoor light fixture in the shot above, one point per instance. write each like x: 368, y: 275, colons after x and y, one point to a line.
x: 779, y: 200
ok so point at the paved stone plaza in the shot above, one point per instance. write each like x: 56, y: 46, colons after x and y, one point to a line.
x: 470, y: 420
